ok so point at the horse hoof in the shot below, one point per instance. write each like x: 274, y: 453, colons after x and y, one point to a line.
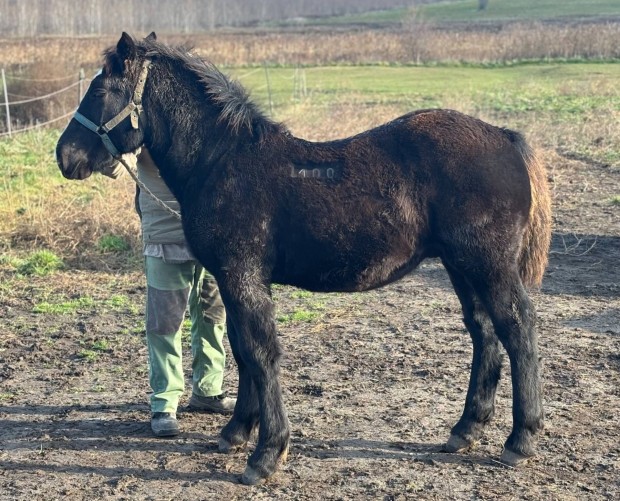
x: 457, y: 443
x: 225, y: 447
x: 512, y: 458
x: 252, y: 477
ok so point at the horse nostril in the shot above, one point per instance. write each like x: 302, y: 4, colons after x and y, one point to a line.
x: 58, y: 159
x: 61, y: 157
x: 65, y: 158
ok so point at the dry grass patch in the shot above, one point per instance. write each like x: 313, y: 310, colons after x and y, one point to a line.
x: 416, y: 41
x: 42, y: 210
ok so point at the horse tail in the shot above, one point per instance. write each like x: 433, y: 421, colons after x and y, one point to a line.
x: 534, y: 253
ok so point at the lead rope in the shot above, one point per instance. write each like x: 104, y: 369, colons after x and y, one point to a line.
x: 141, y: 185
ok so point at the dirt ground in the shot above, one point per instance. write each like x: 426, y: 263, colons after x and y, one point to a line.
x: 372, y: 383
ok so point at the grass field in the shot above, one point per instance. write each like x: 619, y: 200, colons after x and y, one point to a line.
x: 466, y: 11
x: 573, y: 106
x: 433, y: 86
x: 521, y: 10
x: 568, y: 108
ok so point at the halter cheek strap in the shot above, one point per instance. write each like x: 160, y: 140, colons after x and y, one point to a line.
x: 133, y: 110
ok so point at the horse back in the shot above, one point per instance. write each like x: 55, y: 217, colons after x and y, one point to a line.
x: 381, y: 202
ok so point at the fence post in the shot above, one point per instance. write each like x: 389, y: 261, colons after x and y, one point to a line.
x: 81, y: 85
x: 6, y: 103
x: 300, y: 89
x: 268, y: 89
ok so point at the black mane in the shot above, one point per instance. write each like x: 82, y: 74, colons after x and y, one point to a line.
x: 236, y: 108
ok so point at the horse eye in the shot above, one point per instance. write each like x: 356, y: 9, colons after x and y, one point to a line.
x: 99, y: 93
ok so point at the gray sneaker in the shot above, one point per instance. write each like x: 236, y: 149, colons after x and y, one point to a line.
x: 222, y: 404
x: 164, y: 424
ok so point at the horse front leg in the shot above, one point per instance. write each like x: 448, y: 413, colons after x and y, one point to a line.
x: 252, y: 316
x: 236, y: 433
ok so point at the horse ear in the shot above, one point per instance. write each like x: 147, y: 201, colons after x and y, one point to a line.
x: 126, y: 47
x: 152, y: 36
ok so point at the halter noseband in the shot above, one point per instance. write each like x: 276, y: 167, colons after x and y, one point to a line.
x: 133, y: 109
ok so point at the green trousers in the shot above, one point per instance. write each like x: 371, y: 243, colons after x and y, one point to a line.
x: 171, y: 288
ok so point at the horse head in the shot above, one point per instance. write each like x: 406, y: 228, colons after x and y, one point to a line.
x: 109, y: 120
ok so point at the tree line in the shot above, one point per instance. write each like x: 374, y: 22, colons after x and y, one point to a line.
x: 29, y: 18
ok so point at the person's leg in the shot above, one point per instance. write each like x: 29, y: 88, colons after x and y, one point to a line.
x: 168, y: 287
x: 209, y: 356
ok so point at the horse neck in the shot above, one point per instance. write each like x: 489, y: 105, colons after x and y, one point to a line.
x: 177, y: 123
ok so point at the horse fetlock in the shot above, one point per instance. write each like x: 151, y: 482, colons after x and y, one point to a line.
x: 261, y: 467
x: 226, y: 447
x: 257, y: 472
x: 519, y: 447
x: 236, y: 433
x: 457, y: 443
x: 252, y: 476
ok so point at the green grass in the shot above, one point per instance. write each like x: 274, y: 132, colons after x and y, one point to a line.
x: 560, y: 105
x: 121, y: 303
x: 39, y: 263
x: 309, y: 306
x: 25, y: 161
x: 537, y: 86
x: 113, y: 243
x: 40, y: 205
x: 64, y: 307
x: 466, y: 11
x: 101, y: 345
x: 94, y: 351
x: 88, y: 355
x: 519, y: 10
x: 118, y: 302
x: 298, y: 316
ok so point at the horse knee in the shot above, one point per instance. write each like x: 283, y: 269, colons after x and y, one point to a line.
x: 262, y: 361
x: 515, y: 322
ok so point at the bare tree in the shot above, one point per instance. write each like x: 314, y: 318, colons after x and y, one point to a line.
x: 86, y: 17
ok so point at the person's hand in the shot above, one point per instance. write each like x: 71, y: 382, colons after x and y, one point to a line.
x: 117, y: 169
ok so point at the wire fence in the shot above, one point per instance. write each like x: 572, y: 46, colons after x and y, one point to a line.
x: 13, y: 122
x: 58, y: 104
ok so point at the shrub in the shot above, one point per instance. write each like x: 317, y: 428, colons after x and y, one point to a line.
x: 40, y: 263
x: 113, y: 243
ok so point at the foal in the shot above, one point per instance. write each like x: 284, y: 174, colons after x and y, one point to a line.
x: 433, y: 183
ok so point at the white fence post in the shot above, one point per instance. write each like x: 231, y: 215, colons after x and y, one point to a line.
x: 268, y: 89
x: 81, y: 86
x: 6, y: 103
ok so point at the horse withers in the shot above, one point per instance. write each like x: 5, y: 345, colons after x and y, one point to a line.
x: 261, y: 206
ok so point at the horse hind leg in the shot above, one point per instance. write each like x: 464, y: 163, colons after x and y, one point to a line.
x: 485, y: 368
x: 511, y: 311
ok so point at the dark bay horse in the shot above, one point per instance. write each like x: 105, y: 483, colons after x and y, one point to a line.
x: 261, y: 206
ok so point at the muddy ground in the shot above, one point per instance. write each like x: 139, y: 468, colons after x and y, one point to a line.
x: 372, y: 383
